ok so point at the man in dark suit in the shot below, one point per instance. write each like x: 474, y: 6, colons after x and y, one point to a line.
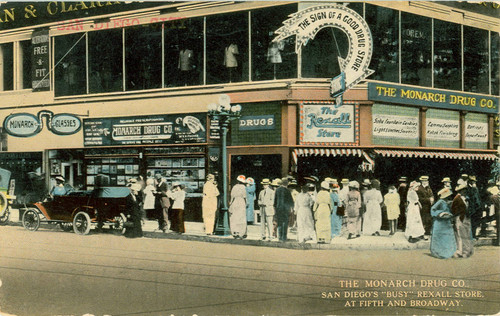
x: 426, y: 199
x: 283, y: 204
x: 163, y: 202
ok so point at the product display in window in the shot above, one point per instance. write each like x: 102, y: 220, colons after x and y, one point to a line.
x: 274, y: 54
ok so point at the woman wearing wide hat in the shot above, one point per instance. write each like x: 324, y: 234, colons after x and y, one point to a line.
x: 178, y: 195
x: 237, y: 209
x: 443, y: 243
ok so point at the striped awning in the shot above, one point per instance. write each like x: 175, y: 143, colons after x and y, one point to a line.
x: 434, y: 154
x: 325, y: 152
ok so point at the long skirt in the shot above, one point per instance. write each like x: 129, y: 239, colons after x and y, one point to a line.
x: 238, y: 218
x: 372, y: 219
x: 443, y: 243
x: 323, y: 225
x: 177, y: 220
x: 336, y: 222
x: 414, y: 226
x: 305, y: 224
x: 463, y: 234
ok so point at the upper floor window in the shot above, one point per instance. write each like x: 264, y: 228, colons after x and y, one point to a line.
x: 416, y: 46
x: 105, y: 61
x: 494, y: 60
x: 447, y: 55
x: 71, y: 69
x: 7, y: 66
x: 384, y: 25
x: 476, y: 71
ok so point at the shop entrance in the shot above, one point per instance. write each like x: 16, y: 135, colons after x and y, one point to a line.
x: 257, y: 167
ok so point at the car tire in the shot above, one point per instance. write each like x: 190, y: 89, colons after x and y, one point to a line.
x: 31, y: 220
x: 81, y: 223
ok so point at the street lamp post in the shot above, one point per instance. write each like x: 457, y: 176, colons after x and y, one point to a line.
x: 223, y: 113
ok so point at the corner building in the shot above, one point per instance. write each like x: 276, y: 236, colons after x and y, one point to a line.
x: 122, y: 89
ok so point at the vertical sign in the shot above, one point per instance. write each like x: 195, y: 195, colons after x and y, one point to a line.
x: 40, y: 60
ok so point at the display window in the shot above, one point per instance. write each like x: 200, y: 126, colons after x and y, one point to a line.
x: 6, y: 64
x: 119, y: 170
x: 26, y: 53
x: 190, y: 171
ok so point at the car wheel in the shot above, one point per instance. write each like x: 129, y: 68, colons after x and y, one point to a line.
x: 31, y: 220
x: 5, y: 217
x: 120, y: 223
x: 81, y: 223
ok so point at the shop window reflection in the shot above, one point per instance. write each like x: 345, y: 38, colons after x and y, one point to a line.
x: 227, y: 48
x: 183, y: 52
x: 71, y: 72
x: 384, y: 25
x: 105, y: 61
x: 494, y: 59
x: 320, y: 56
x: 476, y: 76
x: 416, y: 44
x: 447, y: 52
x: 143, y: 57
x: 272, y: 60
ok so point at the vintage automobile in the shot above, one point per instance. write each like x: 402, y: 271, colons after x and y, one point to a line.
x: 80, y: 210
x: 6, y: 187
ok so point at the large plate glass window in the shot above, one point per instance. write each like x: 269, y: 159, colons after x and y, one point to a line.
x: 227, y: 48
x: 7, y: 66
x: 447, y: 55
x: 320, y: 56
x: 272, y: 60
x: 183, y: 52
x: 495, y: 53
x: 143, y: 57
x: 105, y: 61
x: 71, y: 70
x: 384, y: 25
x: 416, y: 41
x: 476, y: 76
x: 26, y: 53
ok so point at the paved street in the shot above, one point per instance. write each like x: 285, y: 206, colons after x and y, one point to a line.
x: 50, y: 272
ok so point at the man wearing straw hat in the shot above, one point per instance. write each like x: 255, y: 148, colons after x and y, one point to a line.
x: 266, y: 205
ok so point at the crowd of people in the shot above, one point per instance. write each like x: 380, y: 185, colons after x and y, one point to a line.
x: 319, y: 211
x: 322, y: 210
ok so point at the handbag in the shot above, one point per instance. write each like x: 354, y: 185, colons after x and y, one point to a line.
x: 341, y: 210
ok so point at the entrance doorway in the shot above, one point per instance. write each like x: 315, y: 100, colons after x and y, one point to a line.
x: 257, y: 167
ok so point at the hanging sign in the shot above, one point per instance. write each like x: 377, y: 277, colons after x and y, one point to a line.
x: 139, y: 130
x: 307, y: 23
x: 40, y: 60
x: 27, y: 124
x: 328, y: 124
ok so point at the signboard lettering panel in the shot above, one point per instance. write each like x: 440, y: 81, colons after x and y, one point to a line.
x: 159, y: 129
x: 40, y: 61
x: 328, y: 124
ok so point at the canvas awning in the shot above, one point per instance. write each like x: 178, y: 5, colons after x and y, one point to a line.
x: 434, y: 154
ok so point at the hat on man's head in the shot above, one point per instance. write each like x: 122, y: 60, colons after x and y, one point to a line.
x: 345, y: 181
x: 241, y: 178
x: 366, y: 182
x: 266, y: 181
x: 60, y: 178
x: 424, y: 178
x: 132, y: 180
x: 403, y: 179
x: 461, y: 186
x: 312, y: 178
x: 472, y: 178
x: 464, y: 176
x: 444, y: 193
x: 276, y: 182
x: 447, y: 179
x: 354, y: 184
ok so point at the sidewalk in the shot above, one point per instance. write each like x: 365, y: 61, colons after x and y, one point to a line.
x: 195, y: 232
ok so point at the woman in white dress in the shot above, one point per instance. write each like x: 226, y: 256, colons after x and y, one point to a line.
x: 303, y: 208
x: 372, y: 219
x: 414, y: 228
x: 238, y: 208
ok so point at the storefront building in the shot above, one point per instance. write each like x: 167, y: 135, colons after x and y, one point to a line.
x: 122, y: 89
